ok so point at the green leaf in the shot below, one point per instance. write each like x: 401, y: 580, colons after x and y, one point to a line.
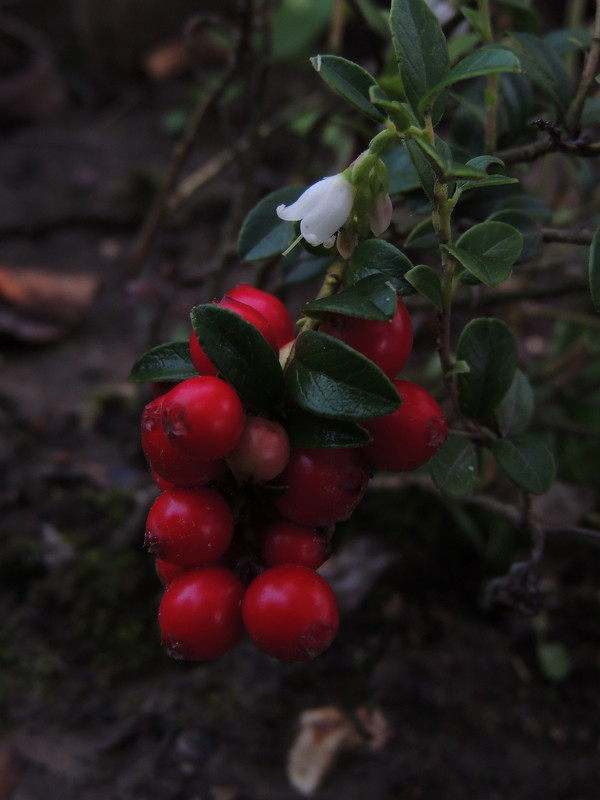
x: 421, y: 49
x: 378, y: 257
x: 490, y: 349
x: 263, y: 234
x: 455, y: 467
x: 402, y: 176
x: 486, y: 61
x: 540, y: 63
x: 526, y: 461
x: 394, y: 109
x: 308, y: 430
x: 350, y: 81
x: 482, y: 163
x: 166, y: 362
x: 299, y: 265
x: 427, y: 282
x: 554, y: 659
x: 532, y: 235
x: 516, y: 408
x: 373, y: 297
x: 241, y: 354
x: 332, y: 380
x: 423, y: 169
x: 296, y: 26
x: 488, y: 250
x: 594, y: 269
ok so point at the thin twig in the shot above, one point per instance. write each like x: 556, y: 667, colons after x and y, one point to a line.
x: 587, y: 77
x: 180, y: 155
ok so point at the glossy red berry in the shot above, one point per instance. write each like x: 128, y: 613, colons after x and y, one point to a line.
x: 290, y: 612
x: 262, y: 451
x: 166, y: 571
x: 322, y: 486
x: 387, y: 344
x: 202, y: 363
x: 203, y: 417
x: 252, y: 316
x: 189, y: 527
x: 200, y: 613
x: 170, y: 464
x: 411, y: 435
x: 269, y: 306
x: 283, y: 542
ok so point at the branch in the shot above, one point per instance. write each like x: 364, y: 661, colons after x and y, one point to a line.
x: 180, y: 155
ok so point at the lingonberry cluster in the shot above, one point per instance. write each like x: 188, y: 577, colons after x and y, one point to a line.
x: 243, y: 520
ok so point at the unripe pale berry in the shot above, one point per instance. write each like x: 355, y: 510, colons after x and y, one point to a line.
x: 262, y: 451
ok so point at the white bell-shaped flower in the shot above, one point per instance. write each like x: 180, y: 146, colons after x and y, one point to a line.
x: 322, y: 209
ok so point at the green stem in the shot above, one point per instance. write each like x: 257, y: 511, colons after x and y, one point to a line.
x: 491, y: 91
x: 331, y: 283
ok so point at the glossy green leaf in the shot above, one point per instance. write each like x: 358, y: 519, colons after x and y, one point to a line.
x: 489, y: 347
x: 332, y: 380
x: 350, y: 81
x: 423, y: 236
x: 427, y: 282
x: 488, y: 250
x: 455, y: 467
x: 402, y: 176
x: 594, y: 269
x: 516, y: 408
x: 526, y: 461
x: 263, y: 234
x: 241, y: 354
x: 378, y: 257
x: 166, y: 362
x: 420, y: 47
x: 486, y: 61
x: 373, y: 297
x: 423, y: 169
x: 308, y: 430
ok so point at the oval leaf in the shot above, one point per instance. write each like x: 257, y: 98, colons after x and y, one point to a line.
x: 308, y: 430
x: 489, y: 347
x: 373, y: 297
x: 166, y: 362
x: 486, y: 61
x: 263, y: 234
x: 350, y: 81
x: 594, y: 269
x: 332, y: 380
x: 421, y: 49
x: 516, y: 409
x: 427, y: 282
x: 241, y: 354
x: 526, y: 461
x: 377, y: 257
x: 455, y: 467
x: 488, y: 250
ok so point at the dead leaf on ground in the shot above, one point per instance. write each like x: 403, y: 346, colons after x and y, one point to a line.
x: 323, y: 734
x: 42, y: 306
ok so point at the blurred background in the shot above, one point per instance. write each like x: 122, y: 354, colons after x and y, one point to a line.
x: 428, y: 691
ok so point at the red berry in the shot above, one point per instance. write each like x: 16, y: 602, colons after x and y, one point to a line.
x: 200, y: 613
x: 166, y: 571
x: 284, y: 542
x: 254, y: 317
x: 290, y: 612
x: 387, y: 344
x: 322, y: 486
x: 409, y: 436
x: 200, y: 360
x: 262, y: 451
x: 189, y: 527
x: 203, y: 417
x: 272, y: 309
x: 169, y: 463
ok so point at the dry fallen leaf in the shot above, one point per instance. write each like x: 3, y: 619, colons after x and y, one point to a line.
x: 323, y: 734
x: 41, y: 305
